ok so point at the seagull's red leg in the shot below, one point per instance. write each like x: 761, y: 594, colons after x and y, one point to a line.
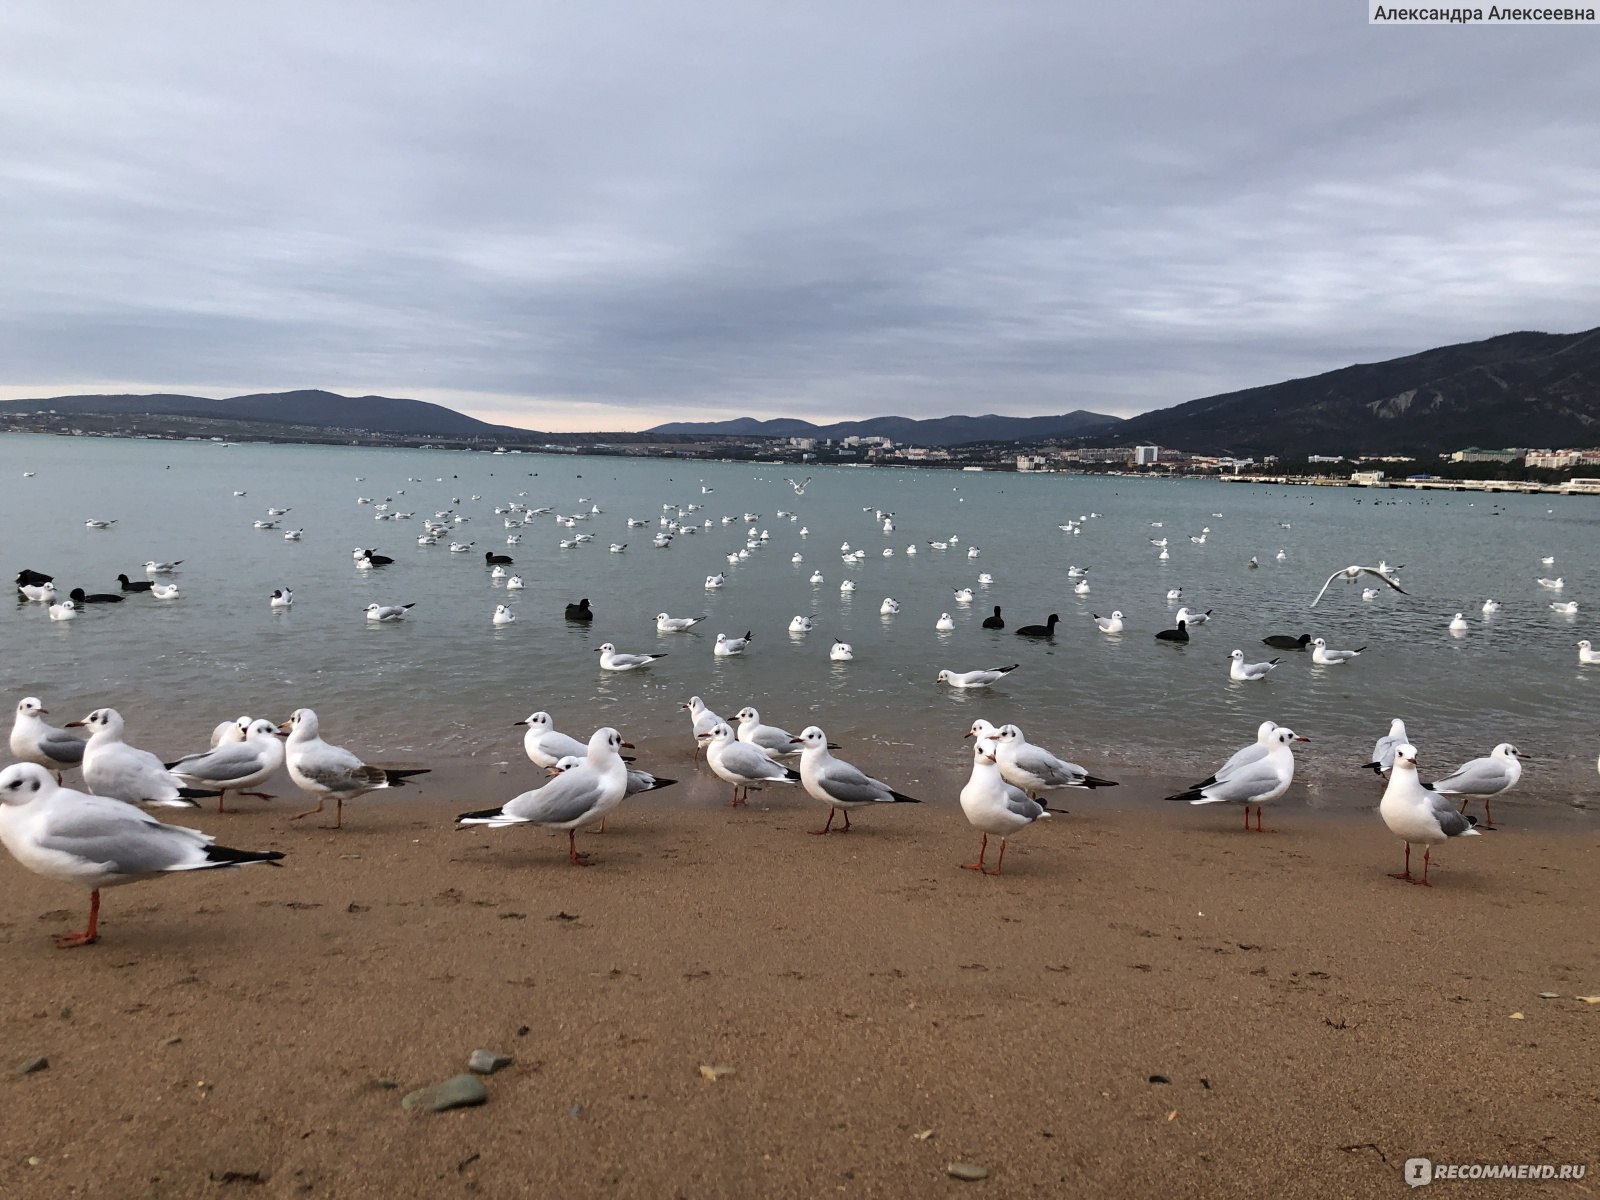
x: 578, y: 860
x: 338, y: 820
x: 1001, y: 864
x: 1406, y: 874
x: 828, y: 826
x: 1424, y: 880
x: 221, y: 796
x: 259, y: 795
x: 982, y: 850
x: 1488, y: 817
x: 310, y: 811
x: 65, y: 941
x: 846, y: 813
x: 1247, y: 818
x: 1258, y: 822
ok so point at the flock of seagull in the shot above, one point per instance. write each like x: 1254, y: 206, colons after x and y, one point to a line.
x: 103, y: 837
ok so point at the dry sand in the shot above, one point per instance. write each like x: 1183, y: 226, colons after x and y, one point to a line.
x: 251, y: 1033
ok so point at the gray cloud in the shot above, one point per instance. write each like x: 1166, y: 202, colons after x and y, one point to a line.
x: 610, y: 215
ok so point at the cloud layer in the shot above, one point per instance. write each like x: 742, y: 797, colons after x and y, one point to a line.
x: 605, y: 216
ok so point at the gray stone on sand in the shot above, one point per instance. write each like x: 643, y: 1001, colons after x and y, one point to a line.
x: 487, y: 1062
x: 459, y: 1091
x: 33, y: 1066
x: 970, y: 1172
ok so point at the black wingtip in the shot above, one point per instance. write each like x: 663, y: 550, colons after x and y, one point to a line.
x: 397, y: 776
x: 1091, y: 781
x: 1375, y: 768
x: 1191, y: 794
x: 227, y: 856
x: 791, y: 775
x: 660, y: 783
x: 196, y: 794
x: 483, y: 814
x: 902, y: 799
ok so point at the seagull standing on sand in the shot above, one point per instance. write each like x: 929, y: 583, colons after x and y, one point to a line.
x: 702, y: 719
x: 1417, y: 815
x: 36, y: 741
x: 326, y: 770
x: 1383, y: 750
x: 544, y: 745
x: 1257, y: 781
x: 837, y: 783
x: 994, y: 806
x: 769, y: 739
x: 577, y: 797
x: 1034, y: 769
x: 113, y: 768
x: 1486, y: 777
x: 97, y: 842
x: 742, y: 764
x: 1352, y: 573
x: 235, y: 765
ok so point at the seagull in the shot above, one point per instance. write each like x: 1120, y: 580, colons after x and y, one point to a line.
x: 974, y: 679
x: 388, y: 612
x: 66, y: 610
x: 546, y: 747
x: 800, y: 487
x: 1245, y: 672
x: 1243, y: 756
x: 1490, y: 606
x: 800, y: 624
x: 113, y: 768
x: 994, y: 806
x: 580, y: 796
x: 281, y: 597
x: 95, y: 523
x: 715, y: 581
x: 1322, y: 656
x: 1485, y: 777
x: 742, y: 764
x: 1569, y: 608
x: 1034, y: 769
x: 36, y: 741
x: 816, y: 577
x: 1369, y: 593
x: 1417, y: 815
x: 503, y: 615
x: 230, y: 731
x: 1353, y: 573
x: 611, y: 660
x: 890, y: 606
x: 235, y: 765
x: 1383, y: 749
x: 769, y: 739
x: 326, y: 770
x: 666, y: 624
x: 1586, y: 654
x: 1111, y: 624
x: 97, y: 842
x: 514, y: 583
x: 1255, y: 781
x: 701, y: 718
x: 165, y: 591
x: 1555, y: 585
x: 162, y: 568
x: 841, y: 651
x: 837, y: 783
x: 1458, y: 624
x: 945, y: 623
x: 1081, y: 588
x: 1191, y: 619
x: 727, y: 647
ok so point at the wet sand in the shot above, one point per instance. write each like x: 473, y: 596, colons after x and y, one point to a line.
x: 883, y: 1012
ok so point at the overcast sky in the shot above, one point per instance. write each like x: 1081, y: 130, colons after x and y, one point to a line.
x: 603, y: 215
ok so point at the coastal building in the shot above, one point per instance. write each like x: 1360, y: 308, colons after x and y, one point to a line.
x: 1146, y: 456
x: 1473, y: 454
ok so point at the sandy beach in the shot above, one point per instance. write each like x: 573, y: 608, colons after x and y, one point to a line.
x: 1149, y: 1001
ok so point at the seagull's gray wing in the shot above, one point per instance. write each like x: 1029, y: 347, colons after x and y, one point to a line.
x: 849, y: 784
x: 1480, y: 777
x: 1017, y: 801
x: 1242, y: 757
x: 1386, y: 579
x: 1245, y: 784
x: 61, y: 746
x: 1039, y: 762
x: 567, y: 798
x: 120, y: 838
x: 236, y: 760
x: 1452, y: 822
x: 337, y: 770
x: 751, y: 762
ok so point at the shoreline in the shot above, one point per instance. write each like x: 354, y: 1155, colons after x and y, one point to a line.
x: 1137, y: 1006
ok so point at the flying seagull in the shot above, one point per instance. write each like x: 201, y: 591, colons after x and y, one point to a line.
x: 1354, y: 573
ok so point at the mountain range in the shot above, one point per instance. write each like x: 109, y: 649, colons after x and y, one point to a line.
x: 930, y: 431
x: 1516, y: 389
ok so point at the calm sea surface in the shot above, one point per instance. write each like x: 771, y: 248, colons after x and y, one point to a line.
x: 446, y: 683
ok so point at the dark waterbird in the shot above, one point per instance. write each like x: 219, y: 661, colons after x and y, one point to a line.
x: 28, y: 578
x: 130, y: 585
x: 996, y: 621
x: 1283, y: 641
x: 1180, y: 634
x: 1047, y: 630
x: 497, y: 560
x: 77, y: 596
x: 580, y: 611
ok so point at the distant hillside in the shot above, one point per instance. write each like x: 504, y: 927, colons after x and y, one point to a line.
x: 375, y: 414
x: 1518, y: 389
x: 932, y: 431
